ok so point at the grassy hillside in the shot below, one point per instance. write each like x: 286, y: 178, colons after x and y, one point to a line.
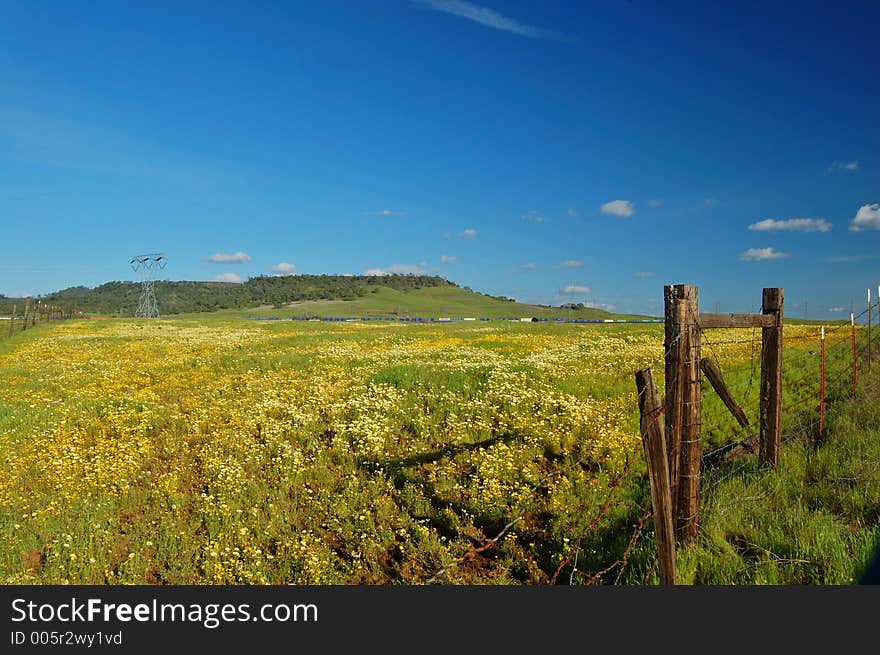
x: 305, y: 296
x: 120, y: 298
x: 440, y: 301
x: 316, y: 296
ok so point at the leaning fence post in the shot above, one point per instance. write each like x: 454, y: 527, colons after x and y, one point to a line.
x: 822, y: 387
x: 771, y: 379
x: 654, y: 444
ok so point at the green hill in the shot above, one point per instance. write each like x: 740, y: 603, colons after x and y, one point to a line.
x: 441, y: 301
x: 307, y: 296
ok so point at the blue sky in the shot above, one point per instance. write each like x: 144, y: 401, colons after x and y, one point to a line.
x: 547, y: 151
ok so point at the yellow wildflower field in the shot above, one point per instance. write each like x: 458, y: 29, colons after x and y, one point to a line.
x: 234, y: 452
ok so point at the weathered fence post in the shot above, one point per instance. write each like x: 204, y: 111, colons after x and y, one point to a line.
x: 683, y: 403
x: 27, y: 309
x: 691, y: 444
x: 654, y: 443
x: 12, y: 321
x: 771, y: 379
x: 674, y: 346
x: 822, y: 387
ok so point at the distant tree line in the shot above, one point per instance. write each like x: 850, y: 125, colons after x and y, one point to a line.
x: 120, y: 298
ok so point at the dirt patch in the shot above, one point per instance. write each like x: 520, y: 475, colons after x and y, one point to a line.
x: 154, y: 577
x: 32, y: 561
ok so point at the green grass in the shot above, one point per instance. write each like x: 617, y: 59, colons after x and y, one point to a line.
x: 446, y: 301
x: 814, y: 519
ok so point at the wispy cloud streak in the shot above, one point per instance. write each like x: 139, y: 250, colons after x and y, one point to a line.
x: 484, y: 16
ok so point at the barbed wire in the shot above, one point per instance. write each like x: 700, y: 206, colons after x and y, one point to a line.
x: 600, y: 513
x: 519, y: 517
x: 624, y: 558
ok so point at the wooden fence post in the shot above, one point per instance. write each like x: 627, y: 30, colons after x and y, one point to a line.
x: 691, y: 444
x: 654, y: 444
x: 27, y: 309
x: 12, y: 322
x: 869, y: 328
x: 674, y: 346
x: 771, y: 379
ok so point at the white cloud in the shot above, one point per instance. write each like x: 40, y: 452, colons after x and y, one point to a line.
x: 655, y: 203
x: 867, y: 218
x: 483, y: 16
x: 837, y: 309
x: 234, y: 258
x: 531, y: 266
x: 572, y: 289
x: 448, y: 259
x: 571, y: 212
x: 619, y: 208
x: 644, y: 274
x: 791, y: 225
x: 569, y: 263
x: 398, y: 269
x: 533, y: 216
x: 468, y: 233
x: 227, y: 277
x: 761, y: 254
x: 387, y: 212
x: 844, y: 166
x: 284, y: 268
x: 601, y: 305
